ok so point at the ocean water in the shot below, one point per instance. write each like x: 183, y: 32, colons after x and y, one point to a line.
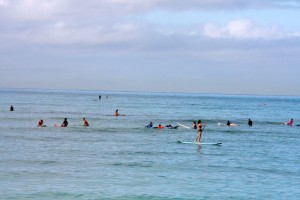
x: 117, y: 158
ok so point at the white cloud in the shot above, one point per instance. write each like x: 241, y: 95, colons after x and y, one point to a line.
x: 243, y: 29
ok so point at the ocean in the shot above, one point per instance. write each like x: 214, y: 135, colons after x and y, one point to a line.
x: 118, y: 158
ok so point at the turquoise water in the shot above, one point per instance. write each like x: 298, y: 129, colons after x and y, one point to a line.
x: 117, y: 158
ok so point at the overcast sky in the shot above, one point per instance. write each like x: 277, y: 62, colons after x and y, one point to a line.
x: 202, y: 46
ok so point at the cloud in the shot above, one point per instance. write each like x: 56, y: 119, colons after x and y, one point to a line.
x: 243, y: 29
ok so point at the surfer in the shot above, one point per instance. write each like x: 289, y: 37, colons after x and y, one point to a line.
x: 250, y: 123
x: 150, y: 125
x: 199, y: 130
x: 171, y: 127
x: 85, y: 122
x: 230, y: 124
x: 40, y: 123
x: 290, y: 123
x: 11, y: 108
x: 159, y: 126
x: 65, y: 123
x: 194, y: 125
x: 117, y: 113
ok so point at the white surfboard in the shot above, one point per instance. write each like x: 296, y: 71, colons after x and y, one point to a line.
x: 200, y: 143
x: 184, y: 126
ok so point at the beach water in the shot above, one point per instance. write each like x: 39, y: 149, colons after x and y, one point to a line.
x: 118, y: 158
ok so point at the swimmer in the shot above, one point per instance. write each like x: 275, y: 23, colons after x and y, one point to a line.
x: 194, y: 125
x: 159, y: 126
x: 41, y: 123
x: 11, y: 108
x: 117, y: 113
x: 65, y: 123
x: 85, y: 123
x: 231, y: 124
x: 290, y: 123
x: 250, y: 123
x: 150, y: 125
x: 171, y: 127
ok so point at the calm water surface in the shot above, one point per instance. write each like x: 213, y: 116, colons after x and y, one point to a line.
x: 117, y: 158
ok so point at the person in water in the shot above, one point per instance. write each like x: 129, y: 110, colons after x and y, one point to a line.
x: 199, y: 130
x: 150, y: 125
x: 117, y: 113
x: 40, y: 123
x: 160, y: 126
x: 290, y: 123
x: 231, y: 124
x: 250, y: 123
x: 11, y: 108
x: 171, y: 127
x: 85, y: 122
x: 65, y: 123
x: 194, y: 125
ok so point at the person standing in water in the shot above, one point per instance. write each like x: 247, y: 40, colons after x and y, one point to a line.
x: 11, y: 108
x: 250, y: 123
x: 65, y: 123
x: 199, y: 130
x: 194, y: 125
x: 85, y: 122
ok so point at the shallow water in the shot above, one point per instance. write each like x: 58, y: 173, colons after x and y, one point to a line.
x: 117, y: 158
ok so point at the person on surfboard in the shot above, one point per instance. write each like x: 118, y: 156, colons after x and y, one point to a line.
x: 85, y: 122
x: 231, y: 124
x: 150, y: 125
x: 199, y: 130
x: 65, y: 123
x: 159, y: 126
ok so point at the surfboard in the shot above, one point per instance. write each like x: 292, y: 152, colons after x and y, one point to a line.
x: 200, y: 143
x: 184, y: 126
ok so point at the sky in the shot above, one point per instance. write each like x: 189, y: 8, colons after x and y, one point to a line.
x: 193, y: 46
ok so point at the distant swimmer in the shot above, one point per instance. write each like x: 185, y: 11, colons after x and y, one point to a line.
x: 41, y: 123
x: 171, y: 127
x: 199, y: 130
x: 11, y: 108
x: 159, y: 126
x: 250, y: 123
x: 85, y: 122
x: 99, y: 96
x: 65, y: 123
x: 290, y: 123
x: 150, y: 125
x: 230, y: 124
x: 117, y: 113
x: 194, y: 125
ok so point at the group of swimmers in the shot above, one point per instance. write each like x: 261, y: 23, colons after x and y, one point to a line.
x: 199, y: 126
x: 64, y: 124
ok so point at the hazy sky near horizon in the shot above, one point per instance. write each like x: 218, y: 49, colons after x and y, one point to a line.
x: 203, y: 46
